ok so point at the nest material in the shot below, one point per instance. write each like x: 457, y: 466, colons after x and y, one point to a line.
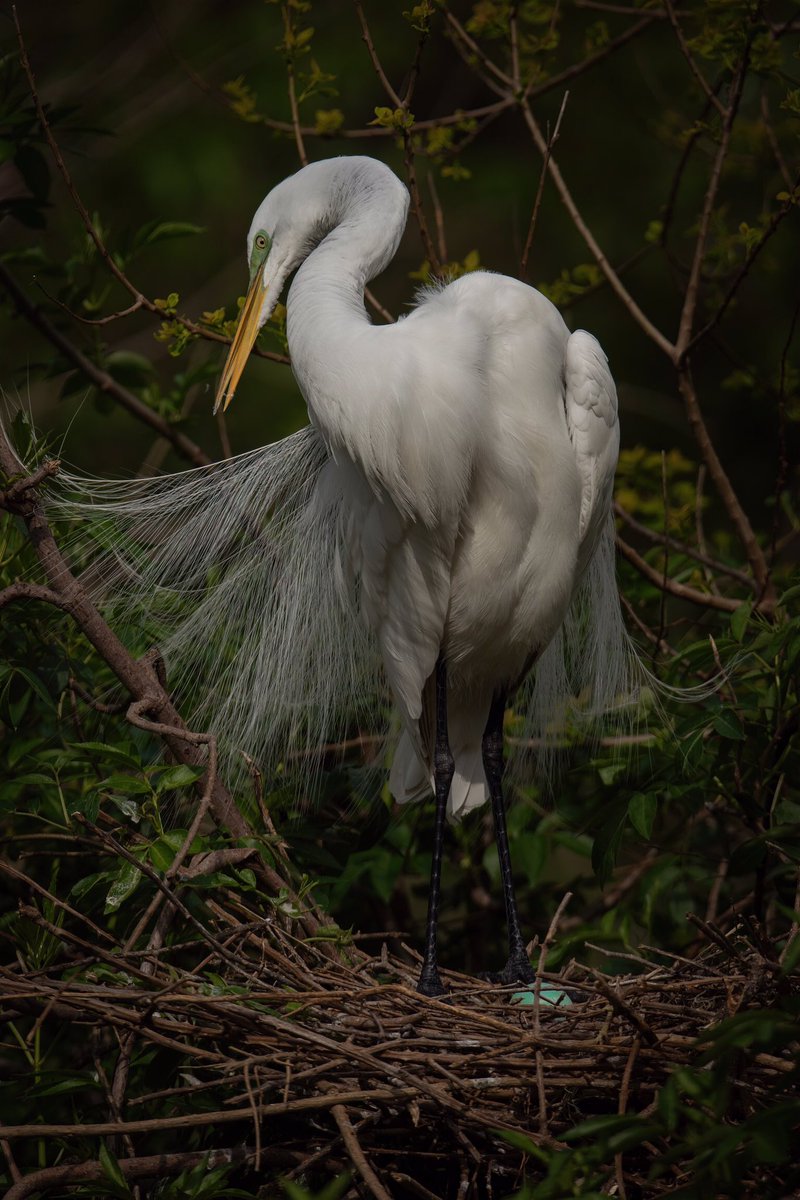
x: 307, y: 1062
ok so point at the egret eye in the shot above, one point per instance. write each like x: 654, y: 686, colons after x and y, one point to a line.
x: 261, y: 241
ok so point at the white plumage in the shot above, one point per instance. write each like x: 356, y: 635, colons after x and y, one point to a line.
x: 449, y: 509
x: 475, y: 442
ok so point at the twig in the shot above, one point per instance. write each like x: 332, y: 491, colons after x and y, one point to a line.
x: 700, y: 556
x: 366, y: 37
x: 616, y: 284
x: 145, y: 1167
x: 551, y: 141
x: 298, y: 136
x: 623, y: 1009
x: 357, y: 1156
x: 690, y: 60
x: 681, y: 590
x: 101, y: 379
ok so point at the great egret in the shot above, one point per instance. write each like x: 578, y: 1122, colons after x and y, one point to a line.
x: 472, y: 448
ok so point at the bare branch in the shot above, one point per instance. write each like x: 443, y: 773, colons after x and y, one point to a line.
x: 690, y: 61
x: 672, y: 586
x: 605, y: 266
x: 298, y: 136
x: 552, y: 138
x: 366, y: 37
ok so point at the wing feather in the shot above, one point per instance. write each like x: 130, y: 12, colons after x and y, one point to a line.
x: 591, y: 409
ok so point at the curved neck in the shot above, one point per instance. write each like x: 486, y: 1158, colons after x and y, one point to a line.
x: 367, y: 218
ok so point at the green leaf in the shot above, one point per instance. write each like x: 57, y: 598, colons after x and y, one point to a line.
x: 124, y: 885
x: 178, y: 777
x: 93, y: 748
x: 111, y: 1169
x: 160, y: 231
x: 728, y: 724
x: 740, y: 618
x: 642, y: 810
x: 129, y: 784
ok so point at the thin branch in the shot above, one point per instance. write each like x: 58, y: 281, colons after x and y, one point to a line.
x: 605, y: 266
x: 101, y: 379
x: 366, y: 37
x: 298, y: 136
x: 738, y: 517
x: 681, y: 590
x: 693, y: 286
x: 551, y: 141
x: 683, y: 548
x: 690, y: 61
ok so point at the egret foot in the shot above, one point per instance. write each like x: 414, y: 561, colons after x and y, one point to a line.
x: 517, y: 970
x: 430, y: 983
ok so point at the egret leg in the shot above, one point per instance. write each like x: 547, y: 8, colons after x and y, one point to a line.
x: 430, y: 983
x: 518, y: 967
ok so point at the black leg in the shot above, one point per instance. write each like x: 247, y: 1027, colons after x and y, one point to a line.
x: 518, y: 967
x: 443, y: 766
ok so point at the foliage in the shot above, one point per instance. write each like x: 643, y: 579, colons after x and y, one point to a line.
x: 697, y: 809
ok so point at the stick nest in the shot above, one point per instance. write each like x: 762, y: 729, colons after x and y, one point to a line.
x: 303, y: 1060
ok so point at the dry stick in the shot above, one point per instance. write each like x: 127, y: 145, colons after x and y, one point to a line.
x: 551, y: 141
x: 674, y: 543
x: 101, y: 379
x: 357, y: 1156
x: 223, y: 1116
x: 681, y: 590
x: 616, y: 284
x: 621, y: 1108
x: 622, y: 1008
x: 152, y: 1165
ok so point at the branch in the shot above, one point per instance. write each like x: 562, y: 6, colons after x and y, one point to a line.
x: 681, y: 590
x: 692, y: 65
x: 353, y: 1146
x: 136, y: 675
x: 366, y: 37
x: 101, y: 379
x: 551, y: 141
x: 151, y: 1165
x: 755, y: 555
x: 693, y: 286
x: 298, y: 136
x: 682, y: 548
x: 611, y: 275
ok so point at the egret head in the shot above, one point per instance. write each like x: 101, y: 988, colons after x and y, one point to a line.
x: 293, y: 219
x: 287, y: 225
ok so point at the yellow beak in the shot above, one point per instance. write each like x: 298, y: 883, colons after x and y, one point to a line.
x: 243, y: 339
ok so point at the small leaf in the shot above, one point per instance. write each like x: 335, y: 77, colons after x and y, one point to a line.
x: 123, y: 886
x: 740, y: 618
x: 111, y: 1168
x: 727, y: 723
x: 642, y: 810
x: 178, y: 777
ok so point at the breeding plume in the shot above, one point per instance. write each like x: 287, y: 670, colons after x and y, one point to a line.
x: 442, y: 524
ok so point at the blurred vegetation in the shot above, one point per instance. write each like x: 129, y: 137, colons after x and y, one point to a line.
x: 174, y: 121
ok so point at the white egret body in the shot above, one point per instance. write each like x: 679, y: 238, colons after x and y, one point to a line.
x: 473, y: 446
